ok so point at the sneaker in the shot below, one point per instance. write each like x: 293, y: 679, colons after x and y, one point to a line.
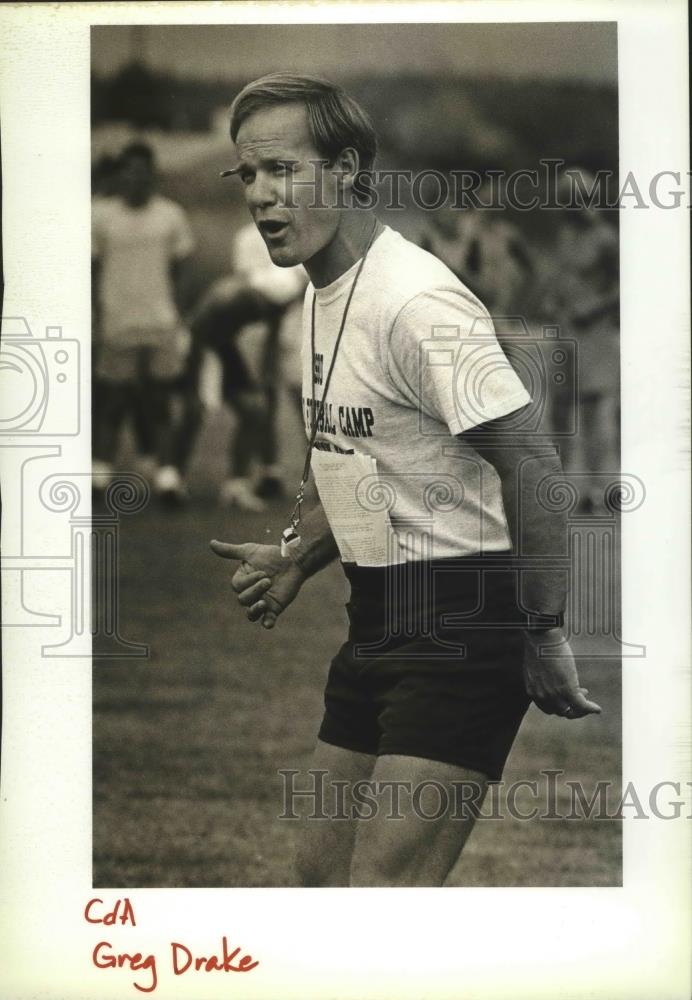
x: 170, y: 487
x: 101, y: 476
x: 239, y: 493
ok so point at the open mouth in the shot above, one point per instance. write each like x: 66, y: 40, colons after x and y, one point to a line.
x: 272, y: 228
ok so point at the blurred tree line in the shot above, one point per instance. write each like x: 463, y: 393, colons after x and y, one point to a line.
x: 433, y: 122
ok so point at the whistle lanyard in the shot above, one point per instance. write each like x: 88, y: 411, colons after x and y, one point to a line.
x: 290, y: 535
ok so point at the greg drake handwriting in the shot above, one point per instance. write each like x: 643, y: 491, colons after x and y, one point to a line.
x: 107, y: 955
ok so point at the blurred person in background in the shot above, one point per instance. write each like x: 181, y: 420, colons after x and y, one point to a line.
x: 446, y: 237
x: 485, y: 251
x: 280, y: 287
x: 504, y: 266
x: 140, y: 244
x: 104, y: 177
x: 228, y: 308
x: 239, y: 319
x: 582, y: 295
x: 186, y: 415
x: 291, y: 364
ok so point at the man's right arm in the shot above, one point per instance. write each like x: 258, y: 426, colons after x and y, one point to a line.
x: 267, y: 582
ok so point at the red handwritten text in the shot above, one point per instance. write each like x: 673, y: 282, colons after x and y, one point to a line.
x: 183, y: 959
x: 92, y: 910
x: 104, y: 958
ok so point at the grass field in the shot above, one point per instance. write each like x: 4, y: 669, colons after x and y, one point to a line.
x: 188, y: 744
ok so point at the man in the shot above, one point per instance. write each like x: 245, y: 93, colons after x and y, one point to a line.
x: 140, y: 242
x: 485, y: 252
x: 280, y: 286
x: 227, y: 310
x: 407, y: 397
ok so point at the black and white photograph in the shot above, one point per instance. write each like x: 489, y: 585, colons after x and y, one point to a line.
x: 344, y: 457
x: 452, y: 372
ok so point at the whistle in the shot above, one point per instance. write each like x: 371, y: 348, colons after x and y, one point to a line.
x: 289, y: 539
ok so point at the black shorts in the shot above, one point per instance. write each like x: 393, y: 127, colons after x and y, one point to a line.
x: 432, y: 666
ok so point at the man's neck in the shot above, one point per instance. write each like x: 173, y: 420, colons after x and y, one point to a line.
x: 350, y: 242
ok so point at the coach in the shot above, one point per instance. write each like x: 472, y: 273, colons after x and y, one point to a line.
x: 455, y: 612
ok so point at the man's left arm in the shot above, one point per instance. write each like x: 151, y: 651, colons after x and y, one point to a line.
x: 538, y: 536
x: 471, y: 397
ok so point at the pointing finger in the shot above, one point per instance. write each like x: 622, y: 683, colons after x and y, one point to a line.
x: 231, y: 550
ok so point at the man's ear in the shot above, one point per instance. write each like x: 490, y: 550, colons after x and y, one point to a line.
x: 346, y: 167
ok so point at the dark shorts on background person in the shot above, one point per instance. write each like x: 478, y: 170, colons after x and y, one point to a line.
x: 161, y: 357
x: 432, y: 666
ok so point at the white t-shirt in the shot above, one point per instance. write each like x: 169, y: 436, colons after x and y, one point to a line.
x: 418, y: 363
x: 136, y: 247
x: 251, y: 260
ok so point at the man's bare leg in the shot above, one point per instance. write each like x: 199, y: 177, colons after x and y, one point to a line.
x: 414, y: 850
x: 326, y: 845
